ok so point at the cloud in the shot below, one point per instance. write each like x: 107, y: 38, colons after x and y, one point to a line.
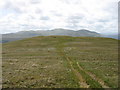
x: 44, y: 18
x: 35, y: 1
x: 96, y: 15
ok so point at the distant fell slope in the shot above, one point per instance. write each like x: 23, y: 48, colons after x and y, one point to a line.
x: 27, y: 34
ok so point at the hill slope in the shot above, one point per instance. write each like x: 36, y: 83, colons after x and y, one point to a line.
x: 28, y: 34
x: 60, y: 62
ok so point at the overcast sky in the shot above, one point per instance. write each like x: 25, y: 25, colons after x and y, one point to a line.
x: 95, y: 15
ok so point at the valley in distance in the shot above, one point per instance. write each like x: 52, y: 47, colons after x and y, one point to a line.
x: 59, y: 58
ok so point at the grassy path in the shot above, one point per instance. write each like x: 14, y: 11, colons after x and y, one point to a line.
x: 93, y: 76
x: 86, y: 79
x: 82, y: 81
x: 60, y: 48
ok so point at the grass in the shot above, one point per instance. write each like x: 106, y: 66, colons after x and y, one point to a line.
x: 41, y: 62
x: 89, y: 80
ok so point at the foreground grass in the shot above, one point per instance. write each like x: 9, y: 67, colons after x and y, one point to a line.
x: 41, y: 62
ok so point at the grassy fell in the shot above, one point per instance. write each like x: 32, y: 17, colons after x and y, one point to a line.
x: 41, y: 62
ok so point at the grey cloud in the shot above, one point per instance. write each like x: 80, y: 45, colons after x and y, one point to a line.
x: 33, y: 27
x: 100, y: 26
x: 45, y: 27
x: 111, y: 7
x: 71, y: 1
x: 56, y: 13
x: 66, y: 1
x: 44, y: 18
x: 38, y: 11
x: 10, y: 7
x: 28, y: 27
x: 32, y: 17
x: 103, y: 20
x: 16, y: 10
x: 75, y: 19
x: 72, y: 26
x: 85, y: 18
x: 35, y: 1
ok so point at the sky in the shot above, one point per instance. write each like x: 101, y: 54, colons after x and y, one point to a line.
x: 94, y: 15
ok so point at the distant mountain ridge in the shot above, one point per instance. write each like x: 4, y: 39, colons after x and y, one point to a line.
x: 115, y: 36
x: 59, y: 31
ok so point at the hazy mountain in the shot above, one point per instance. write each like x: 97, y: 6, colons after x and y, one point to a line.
x: 27, y: 34
x: 115, y: 36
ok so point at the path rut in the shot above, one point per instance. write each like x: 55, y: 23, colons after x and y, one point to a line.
x: 82, y: 81
x: 93, y: 76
